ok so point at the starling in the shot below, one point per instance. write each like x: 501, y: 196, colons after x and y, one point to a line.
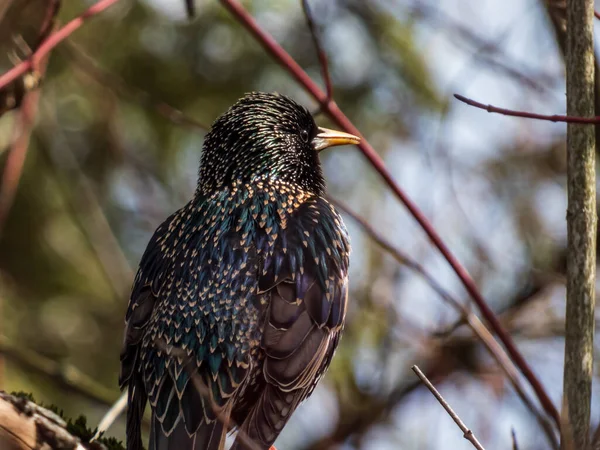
x: 245, y: 286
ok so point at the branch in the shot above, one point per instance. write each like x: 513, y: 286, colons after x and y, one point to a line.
x: 320, y: 52
x: 473, y: 322
x: 110, y: 416
x: 467, y: 434
x: 528, y: 115
x: 334, y: 112
x: 18, y: 153
x: 52, y: 41
x: 581, y: 227
x: 27, y: 426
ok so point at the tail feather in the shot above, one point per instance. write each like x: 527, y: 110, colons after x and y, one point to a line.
x: 136, y: 404
x: 268, y: 417
x: 210, y: 436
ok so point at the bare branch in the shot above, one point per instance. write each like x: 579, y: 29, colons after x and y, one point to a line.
x: 474, y: 323
x: 527, y: 115
x: 52, y: 41
x: 467, y: 433
x: 320, y: 52
x: 514, y: 439
x: 18, y: 153
x: 111, y: 415
x: 334, y: 112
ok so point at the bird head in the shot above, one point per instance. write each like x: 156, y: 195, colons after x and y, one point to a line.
x: 266, y: 136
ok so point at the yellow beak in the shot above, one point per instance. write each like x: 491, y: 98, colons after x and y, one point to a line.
x: 329, y: 138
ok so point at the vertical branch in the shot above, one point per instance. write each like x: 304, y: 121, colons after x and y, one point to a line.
x: 581, y: 226
x: 16, y: 157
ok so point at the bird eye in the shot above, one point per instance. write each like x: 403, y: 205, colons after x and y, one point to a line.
x: 304, y: 135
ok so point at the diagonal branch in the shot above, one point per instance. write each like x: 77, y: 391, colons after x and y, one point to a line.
x: 474, y: 323
x: 334, y: 112
x: 467, y: 433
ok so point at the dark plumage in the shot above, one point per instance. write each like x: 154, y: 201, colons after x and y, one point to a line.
x: 249, y: 278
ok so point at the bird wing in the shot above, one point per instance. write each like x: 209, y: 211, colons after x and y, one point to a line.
x: 193, y: 292
x: 306, y: 277
x: 141, y: 306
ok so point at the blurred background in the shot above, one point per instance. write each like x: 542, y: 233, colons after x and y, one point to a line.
x: 120, y: 122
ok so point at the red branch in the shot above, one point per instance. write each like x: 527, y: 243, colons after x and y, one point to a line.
x: 331, y: 108
x: 527, y: 115
x: 53, y: 40
x: 17, y: 154
x: 597, y: 14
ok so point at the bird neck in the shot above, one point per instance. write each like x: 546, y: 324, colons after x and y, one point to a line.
x: 264, y: 192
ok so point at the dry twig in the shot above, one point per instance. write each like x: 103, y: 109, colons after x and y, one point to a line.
x: 527, y: 115
x: 467, y: 433
x: 111, y: 415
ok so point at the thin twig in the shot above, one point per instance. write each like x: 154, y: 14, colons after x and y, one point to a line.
x: 467, y: 433
x: 320, y: 52
x: 334, y: 112
x: 527, y: 115
x: 474, y: 323
x: 111, y: 415
x: 514, y: 439
x: 52, y: 41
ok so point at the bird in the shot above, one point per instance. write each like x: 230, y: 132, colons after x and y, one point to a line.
x: 243, y: 291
